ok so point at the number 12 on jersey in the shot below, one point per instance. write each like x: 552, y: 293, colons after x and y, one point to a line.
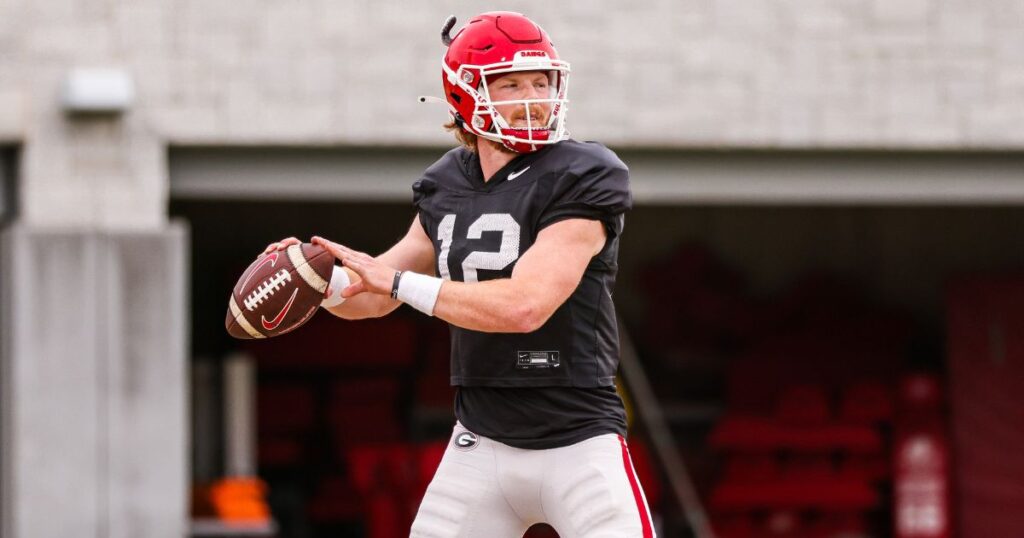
x: 494, y: 261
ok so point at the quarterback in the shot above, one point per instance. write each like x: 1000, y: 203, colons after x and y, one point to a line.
x: 515, y: 245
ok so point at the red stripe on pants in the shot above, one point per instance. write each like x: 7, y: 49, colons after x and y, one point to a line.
x: 638, y: 496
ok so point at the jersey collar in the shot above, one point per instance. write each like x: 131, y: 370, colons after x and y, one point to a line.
x: 475, y: 174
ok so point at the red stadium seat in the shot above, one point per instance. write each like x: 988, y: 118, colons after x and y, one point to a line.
x: 435, y: 390
x: 835, y: 494
x: 386, y: 517
x: 804, y: 439
x: 364, y: 424
x: 747, y: 468
x: 734, y: 526
x: 392, y: 479
x: 285, y: 409
x: 428, y: 458
x: 279, y: 452
x: 809, y: 469
x: 365, y: 390
x: 335, y: 500
x: 754, y: 434
x: 744, y: 434
x: 867, y: 402
x: 838, y: 524
x: 384, y: 468
x: 334, y: 344
x: 804, y: 405
x: 365, y: 411
x: 782, y: 523
x: 866, y: 467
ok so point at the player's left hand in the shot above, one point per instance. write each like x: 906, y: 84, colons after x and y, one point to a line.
x: 375, y: 276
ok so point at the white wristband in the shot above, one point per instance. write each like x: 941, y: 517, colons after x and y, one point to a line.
x: 419, y: 291
x: 339, y: 281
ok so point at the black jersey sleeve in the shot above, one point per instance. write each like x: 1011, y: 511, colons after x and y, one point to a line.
x: 445, y: 169
x: 421, y: 191
x: 595, y: 187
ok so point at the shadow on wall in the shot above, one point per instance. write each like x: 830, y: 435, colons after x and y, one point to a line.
x: 8, y: 184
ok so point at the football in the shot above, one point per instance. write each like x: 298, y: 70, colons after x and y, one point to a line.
x: 279, y: 291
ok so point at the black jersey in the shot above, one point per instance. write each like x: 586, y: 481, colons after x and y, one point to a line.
x: 479, y: 230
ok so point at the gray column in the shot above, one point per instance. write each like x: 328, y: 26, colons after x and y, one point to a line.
x: 94, y: 383
x: 239, y: 416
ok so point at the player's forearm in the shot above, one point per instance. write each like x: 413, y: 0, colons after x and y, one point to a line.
x: 364, y: 306
x: 499, y: 306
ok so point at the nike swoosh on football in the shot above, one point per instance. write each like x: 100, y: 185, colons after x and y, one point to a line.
x: 272, y: 324
x: 272, y: 258
x: 514, y: 175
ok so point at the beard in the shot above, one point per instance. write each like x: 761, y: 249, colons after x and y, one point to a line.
x: 517, y: 121
x: 498, y: 146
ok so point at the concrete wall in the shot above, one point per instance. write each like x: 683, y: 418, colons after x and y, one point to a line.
x: 94, y: 437
x: 791, y: 73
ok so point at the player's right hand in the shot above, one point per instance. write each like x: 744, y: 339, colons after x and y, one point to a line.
x: 281, y: 245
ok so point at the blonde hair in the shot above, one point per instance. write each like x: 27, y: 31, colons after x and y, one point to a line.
x: 464, y: 137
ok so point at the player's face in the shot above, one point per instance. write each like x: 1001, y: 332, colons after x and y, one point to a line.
x: 522, y: 85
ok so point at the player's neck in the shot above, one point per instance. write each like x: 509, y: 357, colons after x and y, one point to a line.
x: 492, y: 157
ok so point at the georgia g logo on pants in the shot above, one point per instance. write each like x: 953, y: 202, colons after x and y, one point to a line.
x: 465, y: 441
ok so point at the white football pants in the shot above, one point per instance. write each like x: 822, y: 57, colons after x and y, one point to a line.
x: 486, y: 489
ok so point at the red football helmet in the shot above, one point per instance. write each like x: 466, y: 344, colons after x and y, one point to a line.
x: 491, y: 45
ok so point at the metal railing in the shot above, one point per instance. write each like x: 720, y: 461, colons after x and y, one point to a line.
x: 650, y: 412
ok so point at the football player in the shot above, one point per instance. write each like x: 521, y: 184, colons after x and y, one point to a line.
x: 515, y: 245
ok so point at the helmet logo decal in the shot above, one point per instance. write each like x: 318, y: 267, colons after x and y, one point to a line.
x: 533, y: 53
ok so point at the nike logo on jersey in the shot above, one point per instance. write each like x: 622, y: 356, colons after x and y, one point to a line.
x: 514, y: 175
